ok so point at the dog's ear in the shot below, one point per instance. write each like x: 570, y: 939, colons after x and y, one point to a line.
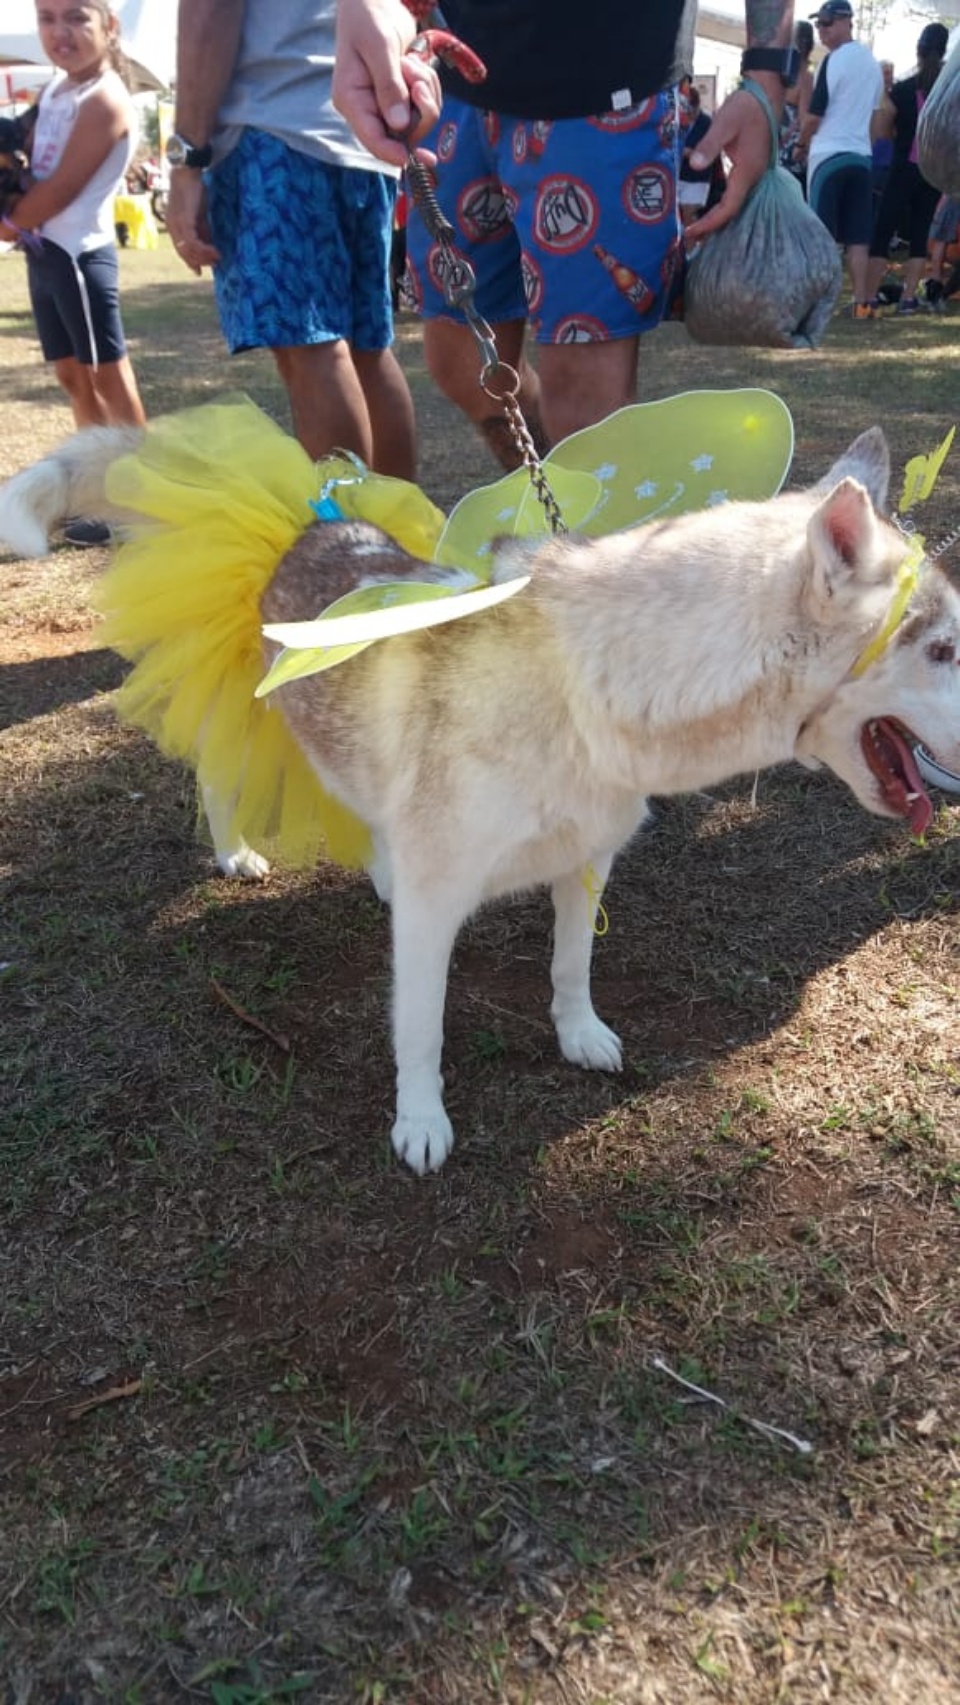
x: 867, y: 460
x: 847, y: 545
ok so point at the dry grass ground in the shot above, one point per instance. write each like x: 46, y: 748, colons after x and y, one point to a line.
x: 280, y: 1420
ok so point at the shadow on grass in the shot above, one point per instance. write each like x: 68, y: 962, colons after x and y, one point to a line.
x: 415, y: 1426
x: 45, y: 684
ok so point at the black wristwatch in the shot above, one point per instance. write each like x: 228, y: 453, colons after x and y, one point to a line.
x: 783, y: 61
x: 180, y: 152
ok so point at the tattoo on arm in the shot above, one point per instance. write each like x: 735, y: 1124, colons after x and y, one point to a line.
x: 769, y: 23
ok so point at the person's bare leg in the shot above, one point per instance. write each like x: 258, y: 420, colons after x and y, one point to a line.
x: 858, y: 263
x: 912, y: 274
x: 326, y: 399
x: 77, y: 382
x: 390, y: 408
x: 876, y: 270
x: 116, y: 386
x: 581, y: 383
x: 454, y: 363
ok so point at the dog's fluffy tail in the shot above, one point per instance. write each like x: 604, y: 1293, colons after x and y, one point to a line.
x: 70, y: 481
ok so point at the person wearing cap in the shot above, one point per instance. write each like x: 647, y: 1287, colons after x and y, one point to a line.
x: 837, y: 137
x: 909, y: 202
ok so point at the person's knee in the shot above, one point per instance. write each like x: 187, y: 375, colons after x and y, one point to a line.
x: 582, y: 384
x: 446, y: 351
x: 309, y: 362
x: 73, y: 378
x: 455, y: 362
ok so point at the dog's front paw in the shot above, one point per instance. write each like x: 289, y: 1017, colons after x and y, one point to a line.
x: 423, y: 1140
x: 244, y: 862
x: 587, y: 1041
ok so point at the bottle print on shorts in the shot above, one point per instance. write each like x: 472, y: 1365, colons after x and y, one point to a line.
x: 628, y: 282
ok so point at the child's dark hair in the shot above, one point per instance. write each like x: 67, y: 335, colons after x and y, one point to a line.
x: 117, y: 57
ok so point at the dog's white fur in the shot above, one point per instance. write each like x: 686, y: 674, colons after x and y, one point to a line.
x: 67, y: 482
x: 519, y: 747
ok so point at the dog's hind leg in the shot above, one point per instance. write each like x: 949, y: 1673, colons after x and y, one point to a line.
x: 425, y: 925
x: 233, y: 855
x: 584, y: 1039
x: 379, y: 871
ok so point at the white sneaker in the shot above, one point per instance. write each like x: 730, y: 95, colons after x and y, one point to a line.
x: 936, y: 774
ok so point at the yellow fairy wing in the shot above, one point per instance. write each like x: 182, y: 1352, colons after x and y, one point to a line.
x: 293, y: 665
x: 361, y: 618
x: 511, y: 506
x: 649, y: 460
x: 679, y: 454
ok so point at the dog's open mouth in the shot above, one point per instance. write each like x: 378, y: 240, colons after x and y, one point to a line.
x: 889, y: 753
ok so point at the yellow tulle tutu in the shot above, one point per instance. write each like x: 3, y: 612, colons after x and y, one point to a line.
x: 221, y: 494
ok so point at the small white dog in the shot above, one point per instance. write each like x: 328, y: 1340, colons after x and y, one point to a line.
x: 518, y: 747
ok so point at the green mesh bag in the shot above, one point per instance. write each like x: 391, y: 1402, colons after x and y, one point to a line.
x: 938, y: 132
x: 771, y: 277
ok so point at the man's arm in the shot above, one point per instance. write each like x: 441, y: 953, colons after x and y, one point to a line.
x: 208, y: 42
x: 740, y: 129
x: 819, y: 101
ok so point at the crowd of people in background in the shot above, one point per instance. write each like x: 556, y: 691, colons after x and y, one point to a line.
x: 271, y: 188
x: 849, y: 135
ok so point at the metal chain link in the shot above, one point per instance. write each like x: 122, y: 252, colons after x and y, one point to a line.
x: 498, y: 379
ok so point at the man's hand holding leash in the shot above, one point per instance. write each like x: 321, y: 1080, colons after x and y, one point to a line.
x: 383, y: 90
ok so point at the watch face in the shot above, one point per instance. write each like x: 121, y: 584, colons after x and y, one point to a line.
x: 176, y: 150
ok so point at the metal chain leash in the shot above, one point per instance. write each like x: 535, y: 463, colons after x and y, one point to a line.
x: 498, y: 380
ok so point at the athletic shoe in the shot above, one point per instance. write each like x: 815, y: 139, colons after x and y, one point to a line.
x: 936, y: 774
x: 86, y: 533
x: 933, y: 295
x: 907, y: 305
x: 864, y: 311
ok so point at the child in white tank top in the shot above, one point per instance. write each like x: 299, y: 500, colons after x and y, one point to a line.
x: 85, y: 137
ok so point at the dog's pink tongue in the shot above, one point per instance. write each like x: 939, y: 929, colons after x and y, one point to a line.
x: 897, y: 770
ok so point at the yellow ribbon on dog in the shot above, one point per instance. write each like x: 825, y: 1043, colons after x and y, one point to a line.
x: 907, y: 576
x: 919, y: 478
x: 599, y: 921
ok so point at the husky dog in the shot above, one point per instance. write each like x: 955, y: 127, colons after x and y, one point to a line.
x: 518, y: 746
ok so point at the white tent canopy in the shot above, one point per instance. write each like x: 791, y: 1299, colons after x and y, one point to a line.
x: 149, y: 38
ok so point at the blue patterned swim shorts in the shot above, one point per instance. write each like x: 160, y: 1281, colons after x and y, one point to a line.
x: 304, y: 247
x: 570, y: 223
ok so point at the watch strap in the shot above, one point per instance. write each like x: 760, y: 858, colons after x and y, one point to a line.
x: 188, y: 155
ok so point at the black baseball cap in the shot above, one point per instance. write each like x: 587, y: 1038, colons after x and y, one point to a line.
x: 832, y: 9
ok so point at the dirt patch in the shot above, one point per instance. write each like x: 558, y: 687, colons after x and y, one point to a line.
x: 280, y: 1420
